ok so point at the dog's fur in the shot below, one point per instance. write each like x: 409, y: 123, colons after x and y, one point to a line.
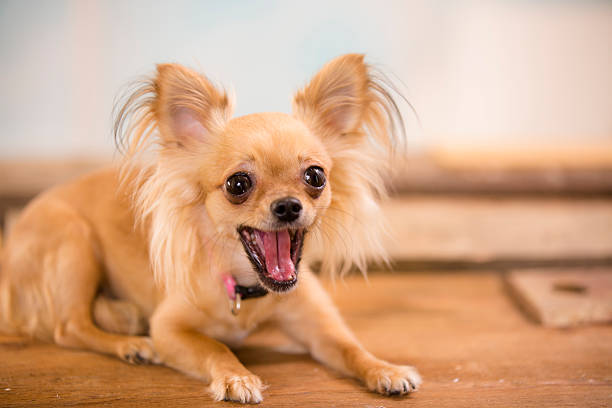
x: 92, y: 263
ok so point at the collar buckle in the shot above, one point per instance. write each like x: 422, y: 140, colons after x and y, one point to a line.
x: 235, y: 304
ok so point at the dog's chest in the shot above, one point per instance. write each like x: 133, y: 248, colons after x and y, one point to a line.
x: 232, y: 330
x: 230, y: 334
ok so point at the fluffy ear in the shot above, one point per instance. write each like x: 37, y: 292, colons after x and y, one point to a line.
x: 347, y: 96
x: 188, y: 107
x: 349, y: 106
x: 182, y: 104
x: 335, y: 99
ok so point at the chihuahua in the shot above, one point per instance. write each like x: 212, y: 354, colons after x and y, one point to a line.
x: 209, y: 227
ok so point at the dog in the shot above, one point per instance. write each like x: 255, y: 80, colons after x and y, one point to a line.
x: 209, y: 227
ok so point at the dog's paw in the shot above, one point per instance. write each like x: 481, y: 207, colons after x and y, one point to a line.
x: 391, y: 379
x: 240, y: 388
x: 138, y: 350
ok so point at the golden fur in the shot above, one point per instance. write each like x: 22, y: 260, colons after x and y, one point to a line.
x: 147, y: 244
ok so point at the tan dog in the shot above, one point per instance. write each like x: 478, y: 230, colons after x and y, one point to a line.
x: 207, y: 208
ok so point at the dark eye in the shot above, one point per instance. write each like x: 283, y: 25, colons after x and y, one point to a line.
x: 238, y: 186
x: 314, y: 176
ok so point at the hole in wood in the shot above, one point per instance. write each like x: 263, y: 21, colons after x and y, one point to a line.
x: 570, y: 287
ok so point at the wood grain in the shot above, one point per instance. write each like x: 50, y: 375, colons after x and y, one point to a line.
x: 472, y: 346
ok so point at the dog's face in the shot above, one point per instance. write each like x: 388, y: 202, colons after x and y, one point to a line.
x: 268, y: 189
x: 266, y: 182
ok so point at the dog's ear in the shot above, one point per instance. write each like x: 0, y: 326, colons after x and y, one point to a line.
x: 336, y: 99
x: 349, y: 105
x: 188, y: 108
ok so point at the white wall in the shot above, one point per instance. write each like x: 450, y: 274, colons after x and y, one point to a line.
x: 481, y: 73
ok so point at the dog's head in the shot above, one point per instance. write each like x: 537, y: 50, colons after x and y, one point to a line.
x: 269, y: 181
x: 270, y: 190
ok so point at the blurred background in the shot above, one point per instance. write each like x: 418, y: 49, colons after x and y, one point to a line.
x: 515, y: 75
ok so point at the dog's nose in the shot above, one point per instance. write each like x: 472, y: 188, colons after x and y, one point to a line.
x: 286, y: 209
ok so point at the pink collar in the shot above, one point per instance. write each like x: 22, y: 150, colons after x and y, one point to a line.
x: 230, y: 286
x: 237, y: 293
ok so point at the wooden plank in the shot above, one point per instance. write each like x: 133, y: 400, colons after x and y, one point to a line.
x: 564, y: 297
x: 528, y: 171
x: 28, y: 177
x: 480, y: 229
x: 472, y: 346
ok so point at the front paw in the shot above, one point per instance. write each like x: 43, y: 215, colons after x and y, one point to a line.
x: 389, y: 379
x: 240, y: 388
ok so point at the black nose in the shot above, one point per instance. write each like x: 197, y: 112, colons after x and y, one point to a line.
x: 286, y: 209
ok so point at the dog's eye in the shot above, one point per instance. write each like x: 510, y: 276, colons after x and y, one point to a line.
x: 238, y: 186
x: 314, y: 177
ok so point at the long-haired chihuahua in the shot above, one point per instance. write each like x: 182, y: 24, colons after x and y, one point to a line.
x: 209, y: 227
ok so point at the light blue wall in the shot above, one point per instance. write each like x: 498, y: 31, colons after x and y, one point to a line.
x: 478, y: 72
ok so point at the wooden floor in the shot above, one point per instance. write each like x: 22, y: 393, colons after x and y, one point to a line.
x: 469, y: 341
x: 463, y: 332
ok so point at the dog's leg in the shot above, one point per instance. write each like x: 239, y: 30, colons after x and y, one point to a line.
x: 174, y: 330
x: 73, y: 280
x: 310, y: 317
x: 119, y: 316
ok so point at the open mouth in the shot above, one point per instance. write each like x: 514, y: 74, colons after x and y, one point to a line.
x: 275, y: 255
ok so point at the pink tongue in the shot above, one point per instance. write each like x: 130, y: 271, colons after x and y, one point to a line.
x: 277, y: 250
